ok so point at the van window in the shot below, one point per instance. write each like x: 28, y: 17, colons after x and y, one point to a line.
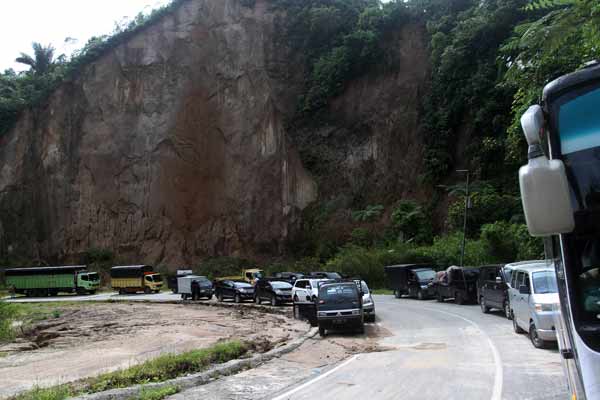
x: 526, y: 280
x: 300, y: 284
x: 517, y: 279
x: 544, y: 282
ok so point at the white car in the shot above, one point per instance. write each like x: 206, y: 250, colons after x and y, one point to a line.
x: 305, y: 291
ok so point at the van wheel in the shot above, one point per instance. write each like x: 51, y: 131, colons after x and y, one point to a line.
x: 397, y: 294
x: 516, y: 326
x: 484, y: 309
x: 538, y: 342
x: 458, y: 299
x: 322, y: 331
x: 507, y: 309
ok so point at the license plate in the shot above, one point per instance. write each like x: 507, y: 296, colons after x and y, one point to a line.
x: 339, y: 321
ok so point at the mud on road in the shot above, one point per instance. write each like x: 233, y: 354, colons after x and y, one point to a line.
x: 88, y: 339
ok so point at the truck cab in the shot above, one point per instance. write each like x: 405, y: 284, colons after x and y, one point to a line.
x: 88, y: 282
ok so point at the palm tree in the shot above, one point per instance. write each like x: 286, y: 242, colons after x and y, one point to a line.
x: 42, y: 60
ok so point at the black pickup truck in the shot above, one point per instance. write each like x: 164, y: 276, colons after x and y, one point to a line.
x: 410, y: 279
x: 457, y: 283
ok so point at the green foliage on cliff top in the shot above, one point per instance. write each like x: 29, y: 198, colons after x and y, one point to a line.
x: 19, y: 91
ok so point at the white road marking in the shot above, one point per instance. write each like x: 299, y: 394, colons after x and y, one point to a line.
x: 499, y: 374
x: 287, y: 395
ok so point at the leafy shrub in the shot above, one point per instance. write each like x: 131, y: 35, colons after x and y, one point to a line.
x: 369, y: 214
x: 445, y: 251
x: 411, y: 223
x: 7, y: 314
x: 506, y: 242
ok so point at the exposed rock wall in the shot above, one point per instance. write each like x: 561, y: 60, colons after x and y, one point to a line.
x: 173, y: 147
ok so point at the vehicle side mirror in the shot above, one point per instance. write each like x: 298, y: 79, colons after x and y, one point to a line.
x: 524, y: 289
x: 544, y: 187
x: 498, y: 279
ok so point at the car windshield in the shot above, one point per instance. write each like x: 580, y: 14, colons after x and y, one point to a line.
x: 338, y: 292
x: 281, y: 285
x: 157, y: 278
x: 242, y: 285
x: 425, y: 275
x: 544, y: 282
x: 204, y: 283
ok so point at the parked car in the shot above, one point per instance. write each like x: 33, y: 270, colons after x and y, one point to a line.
x: 457, y: 283
x: 276, y: 292
x: 195, y: 287
x: 534, y: 302
x: 492, y: 289
x: 236, y: 290
x: 340, y: 306
x: 289, y: 277
x: 324, y: 275
x: 368, y: 303
x: 411, y: 279
x: 304, y: 296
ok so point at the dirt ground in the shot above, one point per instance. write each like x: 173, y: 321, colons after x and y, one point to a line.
x: 309, y: 360
x: 89, y: 339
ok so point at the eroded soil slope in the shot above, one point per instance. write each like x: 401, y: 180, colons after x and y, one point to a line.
x: 86, y: 340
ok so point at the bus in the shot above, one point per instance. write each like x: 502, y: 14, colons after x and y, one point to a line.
x: 560, y: 192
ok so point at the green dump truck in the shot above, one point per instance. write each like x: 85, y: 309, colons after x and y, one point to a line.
x: 49, y: 281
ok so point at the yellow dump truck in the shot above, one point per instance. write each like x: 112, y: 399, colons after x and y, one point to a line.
x: 135, y: 278
x: 249, y: 275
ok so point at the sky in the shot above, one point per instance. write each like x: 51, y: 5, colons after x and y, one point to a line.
x: 52, y: 21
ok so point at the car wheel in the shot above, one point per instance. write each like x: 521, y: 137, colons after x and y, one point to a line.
x: 484, y: 309
x: 458, y: 299
x: 295, y: 298
x: 209, y: 297
x: 361, y: 330
x: 516, y: 326
x: 537, y: 342
x: 220, y: 296
x: 420, y: 295
x: 273, y: 301
x: 507, y: 309
x: 237, y: 298
x: 439, y: 297
x: 397, y: 294
x: 195, y: 295
x: 257, y: 300
x: 322, y: 331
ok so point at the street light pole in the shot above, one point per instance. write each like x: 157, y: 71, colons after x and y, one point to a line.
x: 464, y: 238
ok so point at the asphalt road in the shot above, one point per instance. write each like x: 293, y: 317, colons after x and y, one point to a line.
x: 441, y: 351
x: 434, y: 351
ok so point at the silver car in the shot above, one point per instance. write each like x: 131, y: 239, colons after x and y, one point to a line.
x: 368, y: 303
x: 534, y: 302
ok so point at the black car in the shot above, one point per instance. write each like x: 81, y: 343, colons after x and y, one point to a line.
x: 340, y: 306
x: 458, y: 283
x: 274, y: 291
x: 324, y: 275
x: 289, y: 277
x: 410, y: 279
x: 238, y: 291
x: 492, y: 289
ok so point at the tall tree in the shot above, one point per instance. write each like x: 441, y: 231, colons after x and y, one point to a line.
x: 42, y: 60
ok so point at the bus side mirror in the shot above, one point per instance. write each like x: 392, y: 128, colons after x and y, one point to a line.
x: 544, y: 185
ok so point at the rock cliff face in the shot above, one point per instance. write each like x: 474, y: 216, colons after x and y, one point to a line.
x: 173, y: 147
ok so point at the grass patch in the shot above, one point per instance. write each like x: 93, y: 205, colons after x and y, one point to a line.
x: 160, y: 369
x: 157, y: 394
x: 3, y: 354
x: 8, y: 313
x: 382, y: 291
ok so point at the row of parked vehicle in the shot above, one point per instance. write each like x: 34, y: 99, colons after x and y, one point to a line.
x: 525, y: 292
x: 324, y: 298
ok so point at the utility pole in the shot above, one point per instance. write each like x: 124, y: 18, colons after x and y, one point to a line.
x: 464, y: 238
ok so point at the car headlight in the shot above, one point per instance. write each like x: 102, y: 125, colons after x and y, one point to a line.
x: 424, y: 286
x: 540, y: 307
x: 279, y: 292
x: 355, y: 312
x: 322, y: 314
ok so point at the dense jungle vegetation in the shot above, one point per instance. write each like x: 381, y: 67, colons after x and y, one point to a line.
x: 489, y: 61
